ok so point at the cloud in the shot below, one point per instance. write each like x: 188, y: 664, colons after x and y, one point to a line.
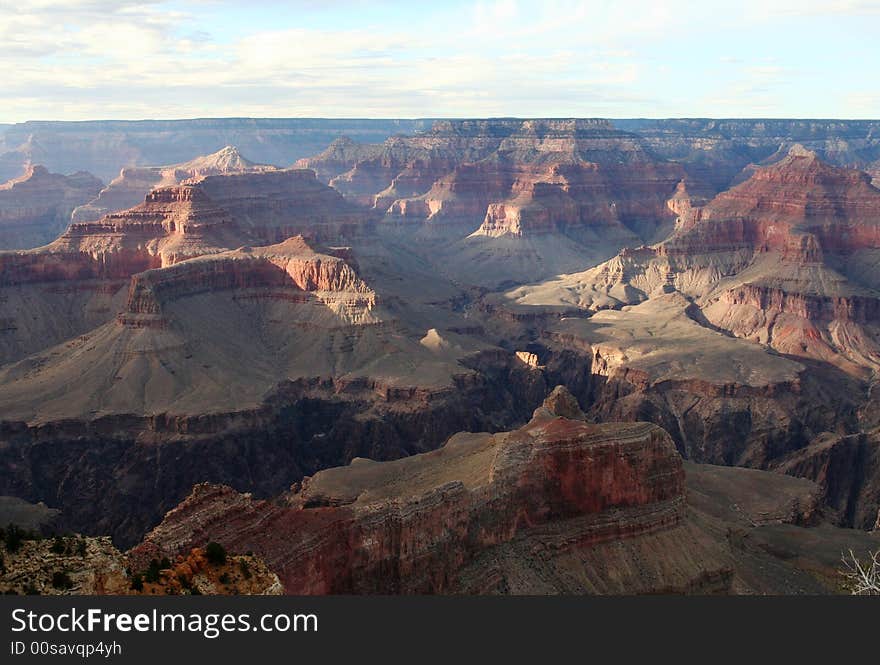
x: 154, y: 58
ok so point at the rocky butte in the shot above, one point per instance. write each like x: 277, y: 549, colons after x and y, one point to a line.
x: 509, y: 200
x: 557, y: 506
x: 135, y: 182
x: 36, y: 206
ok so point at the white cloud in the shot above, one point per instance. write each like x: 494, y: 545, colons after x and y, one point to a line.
x: 103, y: 58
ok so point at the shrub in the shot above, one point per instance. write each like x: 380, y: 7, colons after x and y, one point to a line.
x: 224, y: 578
x: 58, y: 546
x: 245, y: 569
x: 137, y: 583
x: 215, y: 553
x: 13, y: 538
x: 61, y: 580
x: 152, y: 574
x: 862, y: 577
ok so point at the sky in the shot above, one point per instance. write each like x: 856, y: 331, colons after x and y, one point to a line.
x: 97, y: 59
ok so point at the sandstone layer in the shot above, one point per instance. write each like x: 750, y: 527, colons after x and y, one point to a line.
x: 786, y: 259
x: 130, y: 187
x: 35, y: 207
x: 558, y: 506
x: 509, y: 200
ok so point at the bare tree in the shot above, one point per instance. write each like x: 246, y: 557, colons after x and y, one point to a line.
x: 862, y: 578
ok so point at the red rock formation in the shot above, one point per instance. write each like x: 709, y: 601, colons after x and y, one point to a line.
x: 411, y: 526
x: 772, y: 260
x: 36, y: 207
x: 277, y: 205
x: 292, y: 264
x: 134, y: 183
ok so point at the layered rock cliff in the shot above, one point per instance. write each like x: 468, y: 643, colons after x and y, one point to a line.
x: 415, y: 525
x: 93, y: 260
x: 784, y: 258
x: 36, y: 207
x: 134, y: 183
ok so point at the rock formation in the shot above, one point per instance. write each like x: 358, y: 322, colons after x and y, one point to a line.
x: 85, y: 271
x: 787, y: 258
x: 558, y: 506
x: 714, y: 152
x: 76, y: 565
x: 134, y: 183
x: 510, y: 200
x: 105, y: 147
x: 36, y: 207
x: 414, y: 525
x: 245, y: 328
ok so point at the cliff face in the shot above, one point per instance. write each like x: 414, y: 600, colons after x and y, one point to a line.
x: 499, y: 201
x: 134, y: 183
x: 274, y: 206
x: 414, y: 525
x: 36, y: 207
x: 175, y: 223
x: 715, y: 151
x: 784, y: 258
x: 847, y: 470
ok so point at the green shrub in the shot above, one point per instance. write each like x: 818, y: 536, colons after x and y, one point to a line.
x: 216, y: 553
x: 152, y: 574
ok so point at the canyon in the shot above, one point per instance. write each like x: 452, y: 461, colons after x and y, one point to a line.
x: 474, y: 356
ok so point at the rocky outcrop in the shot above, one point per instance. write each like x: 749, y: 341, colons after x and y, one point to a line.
x: 78, y: 565
x: 134, y: 183
x: 557, y: 506
x: 784, y: 258
x: 291, y: 265
x: 847, y: 470
x: 411, y: 526
x: 35, y: 207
